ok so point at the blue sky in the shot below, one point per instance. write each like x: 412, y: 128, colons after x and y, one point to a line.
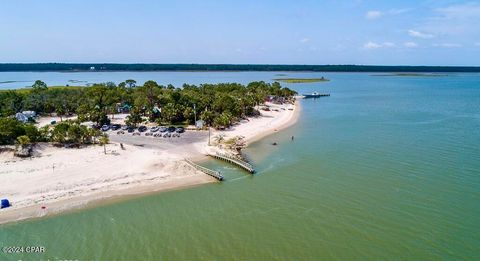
x: 440, y: 32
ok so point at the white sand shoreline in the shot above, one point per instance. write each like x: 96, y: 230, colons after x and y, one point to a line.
x: 269, y: 123
x: 63, y: 180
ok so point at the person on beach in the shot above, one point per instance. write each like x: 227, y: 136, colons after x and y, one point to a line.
x: 293, y: 138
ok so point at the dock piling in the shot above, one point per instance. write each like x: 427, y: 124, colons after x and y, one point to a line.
x: 213, y: 173
x: 245, y: 165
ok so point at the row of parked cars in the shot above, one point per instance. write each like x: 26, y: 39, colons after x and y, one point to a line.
x: 142, y: 128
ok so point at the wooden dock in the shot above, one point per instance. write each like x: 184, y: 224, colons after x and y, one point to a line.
x: 315, y: 96
x: 244, y: 165
x: 213, y: 173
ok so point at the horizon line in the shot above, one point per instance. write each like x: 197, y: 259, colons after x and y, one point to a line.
x: 231, y: 64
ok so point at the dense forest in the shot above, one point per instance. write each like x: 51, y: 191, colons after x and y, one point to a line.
x: 226, y: 67
x: 216, y: 104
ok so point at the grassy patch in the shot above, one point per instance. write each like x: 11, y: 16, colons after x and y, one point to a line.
x: 301, y: 80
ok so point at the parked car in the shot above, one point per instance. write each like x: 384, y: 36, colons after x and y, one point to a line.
x: 180, y: 130
x: 105, y: 128
x: 131, y: 129
x: 142, y: 129
x: 163, y: 129
x: 125, y: 127
x: 171, y: 129
x: 154, y: 129
x: 115, y: 126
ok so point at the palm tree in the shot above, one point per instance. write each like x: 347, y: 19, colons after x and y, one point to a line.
x: 104, y: 140
x: 60, y: 110
x: 219, y: 138
x: 23, y: 140
x: 92, y: 135
x: 22, y: 150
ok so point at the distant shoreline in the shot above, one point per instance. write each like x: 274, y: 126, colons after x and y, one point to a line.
x: 411, y: 75
x: 301, y: 80
x: 111, y: 67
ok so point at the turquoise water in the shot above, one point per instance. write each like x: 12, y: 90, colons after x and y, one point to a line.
x: 387, y: 168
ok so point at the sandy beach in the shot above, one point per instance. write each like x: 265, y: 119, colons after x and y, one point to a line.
x: 60, y: 179
x: 279, y: 117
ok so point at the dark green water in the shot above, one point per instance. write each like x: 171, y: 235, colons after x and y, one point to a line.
x: 387, y: 168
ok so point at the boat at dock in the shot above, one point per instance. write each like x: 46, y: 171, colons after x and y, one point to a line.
x: 315, y: 95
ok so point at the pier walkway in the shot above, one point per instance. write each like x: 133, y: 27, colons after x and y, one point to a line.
x: 213, y: 173
x: 245, y: 165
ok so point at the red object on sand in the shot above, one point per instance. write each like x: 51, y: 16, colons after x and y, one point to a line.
x: 43, y: 207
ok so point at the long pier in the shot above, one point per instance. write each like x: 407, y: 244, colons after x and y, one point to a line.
x: 315, y: 96
x: 245, y: 165
x: 213, y: 173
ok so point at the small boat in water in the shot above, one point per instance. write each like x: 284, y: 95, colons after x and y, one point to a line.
x: 315, y: 95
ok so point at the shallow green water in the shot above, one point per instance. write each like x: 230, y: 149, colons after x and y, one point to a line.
x: 387, y: 168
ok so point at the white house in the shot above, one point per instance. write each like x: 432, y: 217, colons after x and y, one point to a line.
x: 21, y: 117
x: 29, y: 114
x: 24, y: 116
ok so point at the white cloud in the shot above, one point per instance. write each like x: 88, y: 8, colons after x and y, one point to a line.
x: 410, y: 44
x: 459, y: 20
x: 447, y: 45
x: 373, y: 45
x: 305, y: 40
x: 374, y: 14
x: 385, y: 45
x: 462, y: 11
x: 371, y: 15
x: 419, y: 34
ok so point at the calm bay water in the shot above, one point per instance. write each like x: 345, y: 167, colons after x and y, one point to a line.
x: 14, y: 80
x: 387, y: 168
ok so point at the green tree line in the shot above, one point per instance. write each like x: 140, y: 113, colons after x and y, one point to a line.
x: 68, y: 132
x: 217, y: 104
